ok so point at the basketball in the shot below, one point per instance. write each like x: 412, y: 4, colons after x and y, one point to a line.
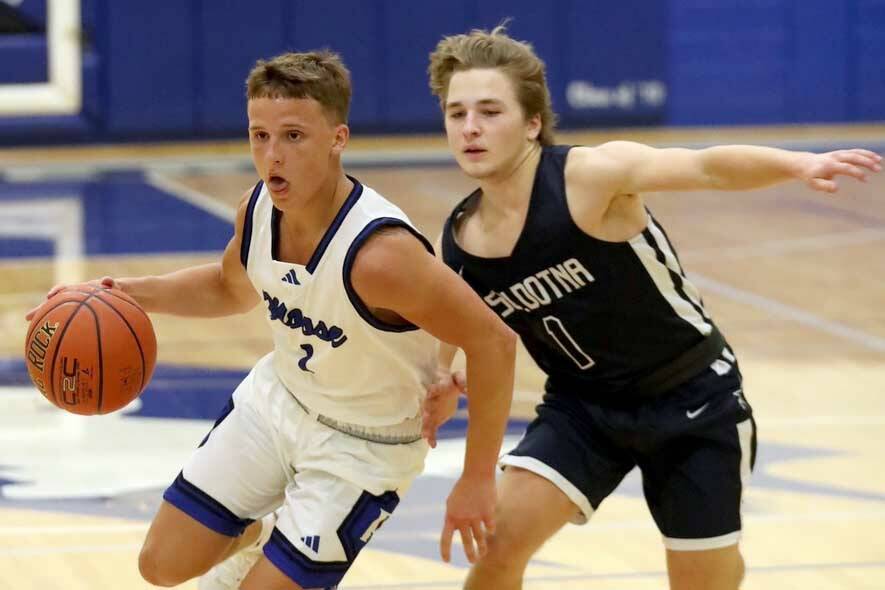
x: 90, y: 350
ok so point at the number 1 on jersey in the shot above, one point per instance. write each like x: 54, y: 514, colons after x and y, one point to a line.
x: 555, y: 328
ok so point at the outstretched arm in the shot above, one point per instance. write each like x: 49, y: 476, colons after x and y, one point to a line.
x: 394, y: 271
x: 631, y: 168
x: 210, y: 290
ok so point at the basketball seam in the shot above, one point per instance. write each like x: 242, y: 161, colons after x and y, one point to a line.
x: 124, y: 300
x: 58, y: 346
x: 100, y: 358
x: 134, y: 337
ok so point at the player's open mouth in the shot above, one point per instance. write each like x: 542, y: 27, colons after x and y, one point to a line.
x: 277, y: 184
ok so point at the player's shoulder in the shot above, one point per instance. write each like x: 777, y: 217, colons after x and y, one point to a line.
x: 592, y: 165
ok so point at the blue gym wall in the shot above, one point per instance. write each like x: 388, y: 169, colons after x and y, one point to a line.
x: 168, y: 69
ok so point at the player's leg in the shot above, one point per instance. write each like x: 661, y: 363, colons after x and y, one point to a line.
x: 529, y: 511
x: 710, y: 569
x: 560, y: 472
x: 695, y: 477
x: 234, y: 477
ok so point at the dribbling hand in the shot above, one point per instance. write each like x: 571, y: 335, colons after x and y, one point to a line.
x: 106, y: 282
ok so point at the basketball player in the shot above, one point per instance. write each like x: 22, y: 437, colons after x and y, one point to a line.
x: 323, y: 436
x: 558, y: 242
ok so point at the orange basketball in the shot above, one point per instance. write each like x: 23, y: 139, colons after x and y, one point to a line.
x: 90, y: 350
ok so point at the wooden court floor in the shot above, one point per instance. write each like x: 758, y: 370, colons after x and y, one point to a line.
x: 795, y: 280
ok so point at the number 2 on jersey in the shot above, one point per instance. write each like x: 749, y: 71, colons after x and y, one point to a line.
x: 555, y: 328
x: 308, y: 354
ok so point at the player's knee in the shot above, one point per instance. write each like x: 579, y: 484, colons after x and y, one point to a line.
x: 706, y: 572
x: 161, y: 569
x: 507, y: 549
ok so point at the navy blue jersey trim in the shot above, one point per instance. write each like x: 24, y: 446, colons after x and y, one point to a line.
x: 300, y: 568
x: 349, y: 259
x: 275, y: 216
x: 225, y: 412
x: 203, y: 508
x: 677, y: 278
x: 247, y: 224
x: 352, y: 198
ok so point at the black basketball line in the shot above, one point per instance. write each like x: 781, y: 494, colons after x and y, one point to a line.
x: 61, y: 338
x: 124, y: 300
x: 36, y: 321
x: 100, y: 358
x: 134, y: 337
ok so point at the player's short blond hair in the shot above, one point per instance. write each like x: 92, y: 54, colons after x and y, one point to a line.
x: 496, y: 50
x: 320, y: 75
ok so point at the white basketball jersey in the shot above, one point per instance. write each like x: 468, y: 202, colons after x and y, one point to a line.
x: 331, y: 353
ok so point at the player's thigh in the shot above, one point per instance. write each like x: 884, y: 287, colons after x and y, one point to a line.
x: 264, y: 575
x: 175, y: 541
x: 530, y: 510
x: 711, y: 569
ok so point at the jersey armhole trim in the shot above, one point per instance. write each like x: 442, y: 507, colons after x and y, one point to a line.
x: 247, y: 224
x: 349, y: 259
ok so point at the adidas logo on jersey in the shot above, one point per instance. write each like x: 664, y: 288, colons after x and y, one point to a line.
x: 291, y: 277
x: 312, y: 542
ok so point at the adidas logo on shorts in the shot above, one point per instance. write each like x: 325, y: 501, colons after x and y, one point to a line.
x: 312, y: 542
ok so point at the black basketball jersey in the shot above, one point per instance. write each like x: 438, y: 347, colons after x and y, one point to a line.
x: 599, y: 318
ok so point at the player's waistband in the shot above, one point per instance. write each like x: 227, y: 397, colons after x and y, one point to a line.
x: 406, y: 432
x: 658, y: 382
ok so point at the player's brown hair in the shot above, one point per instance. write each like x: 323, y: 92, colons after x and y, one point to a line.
x: 496, y: 50
x: 320, y: 75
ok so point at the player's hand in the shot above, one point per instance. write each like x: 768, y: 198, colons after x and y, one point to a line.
x: 106, y: 282
x: 441, y: 403
x: 819, y: 171
x: 470, y: 510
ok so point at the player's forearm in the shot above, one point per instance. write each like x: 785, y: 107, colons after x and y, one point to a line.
x: 490, y: 375
x: 198, y: 291
x: 743, y: 167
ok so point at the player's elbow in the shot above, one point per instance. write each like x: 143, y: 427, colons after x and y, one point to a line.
x: 502, y: 340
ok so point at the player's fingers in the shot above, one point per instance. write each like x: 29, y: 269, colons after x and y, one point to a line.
x: 860, y: 159
x: 107, y: 282
x: 467, y: 540
x: 445, y: 541
x: 460, y: 380
x: 55, y: 290
x: 820, y: 184
x: 481, y: 535
x: 850, y: 170
x: 867, y: 153
x: 489, y: 522
x: 31, y: 313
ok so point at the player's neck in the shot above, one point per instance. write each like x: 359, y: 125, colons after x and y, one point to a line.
x: 316, y: 214
x: 511, y: 190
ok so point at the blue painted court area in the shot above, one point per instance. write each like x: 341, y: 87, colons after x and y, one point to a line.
x: 121, y: 214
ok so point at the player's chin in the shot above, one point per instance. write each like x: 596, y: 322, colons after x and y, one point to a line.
x: 477, y: 170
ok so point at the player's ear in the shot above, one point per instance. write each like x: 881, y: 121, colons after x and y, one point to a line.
x: 533, y: 128
x: 342, y: 135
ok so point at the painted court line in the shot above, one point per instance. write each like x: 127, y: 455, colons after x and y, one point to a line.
x: 789, y: 312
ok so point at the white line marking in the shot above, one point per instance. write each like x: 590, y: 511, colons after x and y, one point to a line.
x: 807, y: 244
x: 191, y: 196
x: 800, y: 316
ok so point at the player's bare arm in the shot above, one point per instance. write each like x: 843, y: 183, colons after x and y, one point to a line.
x: 638, y: 168
x: 211, y: 290
x: 441, y: 401
x: 394, y: 272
